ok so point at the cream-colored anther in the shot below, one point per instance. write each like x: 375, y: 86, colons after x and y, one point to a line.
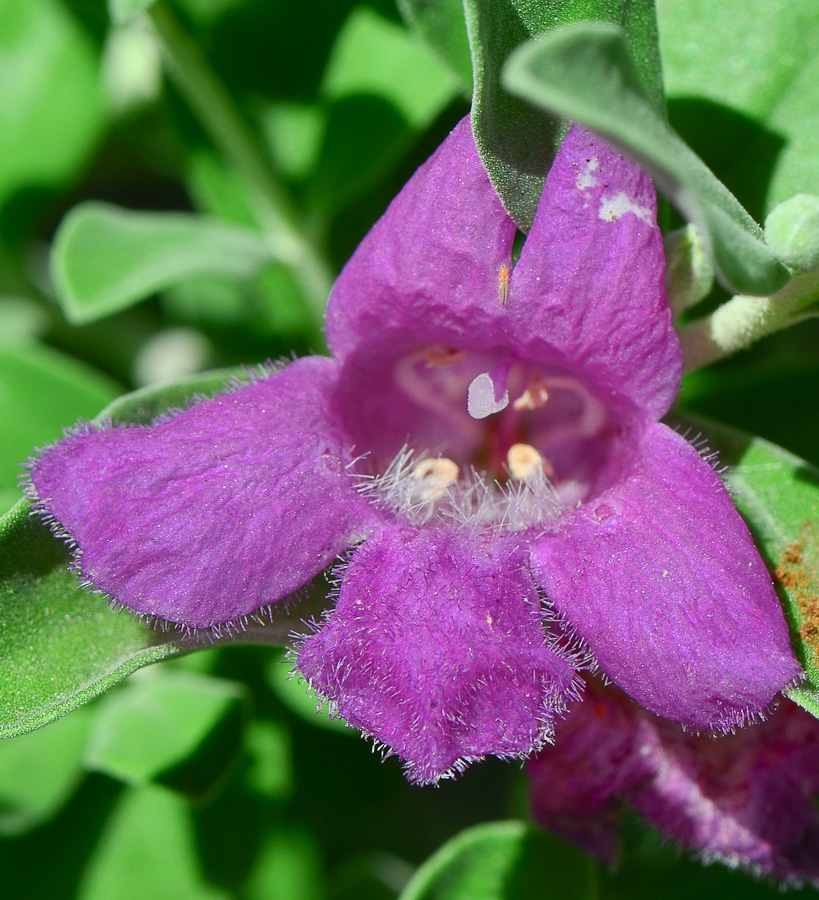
x: 434, y: 476
x: 525, y: 462
x: 534, y: 396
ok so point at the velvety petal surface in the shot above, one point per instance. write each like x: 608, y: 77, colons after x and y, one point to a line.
x: 589, y: 281
x: 211, y: 515
x: 429, y: 270
x: 436, y: 649
x: 578, y: 783
x: 659, y: 576
x: 746, y: 798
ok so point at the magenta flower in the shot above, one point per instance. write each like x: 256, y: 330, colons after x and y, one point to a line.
x: 484, y: 447
x: 746, y: 799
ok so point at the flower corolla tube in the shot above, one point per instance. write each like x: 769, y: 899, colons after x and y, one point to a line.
x: 484, y: 452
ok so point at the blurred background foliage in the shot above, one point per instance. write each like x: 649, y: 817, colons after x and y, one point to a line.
x: 211, y: 776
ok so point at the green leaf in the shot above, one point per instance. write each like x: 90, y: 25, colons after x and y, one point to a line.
x: 442, y: 25
x: 777, y: 494
x: 516, y: 141
x: 175, y: 728
x: 288, y: 864
x: 289, y: 686
x: 39, y: 772
x: 41, y: 391
x: 121, y: 11
x: 60, y: 645
x: 775, y: 85
x: 504, y: 861
x: 584, y: 71
x: 383, y: 89
x: 52, y: 111
x: 147, y: 849
x: 105, y: 259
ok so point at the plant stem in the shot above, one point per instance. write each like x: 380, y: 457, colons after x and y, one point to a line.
x: 222, y: 120
x: 744, y: 320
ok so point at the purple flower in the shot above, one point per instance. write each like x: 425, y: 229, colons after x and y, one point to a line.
x: 746, y: 799
x: 484, y: 447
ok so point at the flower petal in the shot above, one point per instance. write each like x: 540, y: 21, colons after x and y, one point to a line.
x: 430, y: 267
x: 218, y: 511
x: 745, y: 798
x: 659, y: 576
x: 589, y: 281
x: 578, y: 783
x: 436, y: 649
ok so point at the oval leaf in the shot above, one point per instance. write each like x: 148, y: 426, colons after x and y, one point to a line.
x: 504, y: 861
x: 585, y: 72
x: 517, y: 142
x: 105, y: 259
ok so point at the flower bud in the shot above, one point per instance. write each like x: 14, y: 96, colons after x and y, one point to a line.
x: 792, y: 232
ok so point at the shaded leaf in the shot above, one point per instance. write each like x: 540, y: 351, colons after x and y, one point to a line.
x: 39, y: 772
x: 504, y: 861
x: 177, y: 729
x: 442, y: 25
x: 106, y: 258
x: 584, y: 71
x: 517, y: 142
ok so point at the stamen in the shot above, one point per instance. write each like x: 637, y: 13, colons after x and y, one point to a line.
x: 534, y: 396
x: 434, y: 477
x: 525, y: 462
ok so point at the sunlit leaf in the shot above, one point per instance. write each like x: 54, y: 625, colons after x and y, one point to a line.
x: 442, y: 25
x: 41, y: 392
x: 52, y: 110
x: 504, y: 861
x: 516, y: 141
x: 106, y: 258
x: 122, y: 10
x: 585, y: 72
x: 773, y: 83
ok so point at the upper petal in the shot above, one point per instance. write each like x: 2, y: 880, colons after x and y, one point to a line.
x: 661, y: 579
x: 432, y: 263
x: 589, y: 281
x: 216, y: 512
x: 436, y: 649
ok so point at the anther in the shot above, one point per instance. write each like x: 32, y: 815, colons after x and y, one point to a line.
x: 503, y: 284
x: 434, y: 477
x: 525, y: 462
x: 534, y: 396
